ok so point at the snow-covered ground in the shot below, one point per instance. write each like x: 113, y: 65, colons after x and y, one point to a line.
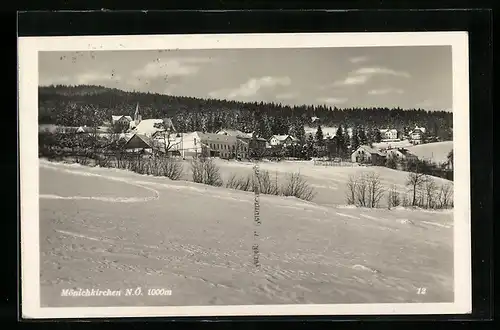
x: 112, y: 229
x: 329, y: 182
x: 436, y: 152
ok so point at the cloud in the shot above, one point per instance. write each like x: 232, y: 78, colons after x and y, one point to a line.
x: 286, y: 96
x: 362, y: 75
x: 358, y: 59
x: 93, y: 77
x: 251, y: 87
x: 164, y: 67
x: 385, y: 91
x: 86, y: 78
x: 332, y: 100
x: 352, y: 80
x: 381, y: 70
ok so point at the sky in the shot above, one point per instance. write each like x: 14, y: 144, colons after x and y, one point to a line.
x: 406, y: 77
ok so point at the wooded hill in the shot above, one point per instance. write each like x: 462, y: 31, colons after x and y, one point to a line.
x: 93, y: 105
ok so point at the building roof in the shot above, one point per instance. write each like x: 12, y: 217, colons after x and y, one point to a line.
x: 406, y: 152
x: 421, y: 129
x: 138, y: 141
x: 146, y: 126
x: 115, y: 118
x: 232, y: 132
x: 214, y: 137
x: 282, y: 138
x: 370, y: 150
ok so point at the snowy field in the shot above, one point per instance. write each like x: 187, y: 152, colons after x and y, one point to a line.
x: 329, y: 182
x: 437, y: 151
x: 112, y: 229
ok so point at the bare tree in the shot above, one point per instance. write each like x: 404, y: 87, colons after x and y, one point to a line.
x: 165, y: 141
x: 351, y: 190
x: 297, y: 186
x: 430, y: 188
x: 394, y: 198
x: 375, y: 189
x: 445, y: 195
x: 362, y: 190
x: 415, y: 180
x: 205, y: 171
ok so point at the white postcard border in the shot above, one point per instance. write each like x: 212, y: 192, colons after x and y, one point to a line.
x: 29, y: 167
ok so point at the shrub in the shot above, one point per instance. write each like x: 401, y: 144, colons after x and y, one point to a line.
x: 205, y: 171
x: 297, y: 186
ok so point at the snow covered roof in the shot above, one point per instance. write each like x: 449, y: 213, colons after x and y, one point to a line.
x: 115, y: 118
x: 422, y: 129
x: 146, y: 126
x: 233, y: 132
x: 214, y: 137
x: 138, y: 141
x: 281, y: 137
x: 370, y: 150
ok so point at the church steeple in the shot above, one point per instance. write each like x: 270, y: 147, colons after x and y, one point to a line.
x: 137, y: 115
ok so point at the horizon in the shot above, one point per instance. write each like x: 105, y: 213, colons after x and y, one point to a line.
x: 408, y: 77
x: 326, y: 106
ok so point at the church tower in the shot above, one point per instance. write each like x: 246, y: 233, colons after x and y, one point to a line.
x: 137, y: 115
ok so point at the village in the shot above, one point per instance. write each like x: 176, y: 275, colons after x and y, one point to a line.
x: 155, y: 135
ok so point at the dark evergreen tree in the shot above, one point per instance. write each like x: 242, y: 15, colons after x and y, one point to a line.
x: 319, y: 136
x: 355, y: 141
x: 362, y: 137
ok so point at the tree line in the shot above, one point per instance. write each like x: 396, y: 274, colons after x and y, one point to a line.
x: 84, y: 104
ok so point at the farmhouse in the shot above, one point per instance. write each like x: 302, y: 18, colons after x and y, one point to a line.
x: 400, y: 154
x: 389, y: 134
x: 282, y: 140
x: 366, y: 154
x: 139, y: 142
x: 417, y: 135
x: 120, y: 119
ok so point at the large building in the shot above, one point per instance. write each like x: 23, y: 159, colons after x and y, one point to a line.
x: 389, y: 134
x: 197, y: 144
x: 366, y: 154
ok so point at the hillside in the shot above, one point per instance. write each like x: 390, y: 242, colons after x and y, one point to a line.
x: 126, y: 230
x: 87, y: 105
x: 436, y: 152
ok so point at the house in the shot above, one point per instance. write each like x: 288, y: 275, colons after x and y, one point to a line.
x: 282, y: 140
x: 120, y: 119
x: 389, y: 134
x: 139, y: 142
x: 367, y: 154
x: 195, y: 144
x: 259, y: 144
x: 417, y: 135
x: 401, y: 154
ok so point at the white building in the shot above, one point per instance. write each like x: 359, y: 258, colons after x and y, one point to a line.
x: 417, y: 135
x: 389, y: 134
x: 281, y: 140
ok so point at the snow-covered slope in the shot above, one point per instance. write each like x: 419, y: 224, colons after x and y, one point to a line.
x: 196, y: 240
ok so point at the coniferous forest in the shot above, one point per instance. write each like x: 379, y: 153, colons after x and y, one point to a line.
x: 91, y: 105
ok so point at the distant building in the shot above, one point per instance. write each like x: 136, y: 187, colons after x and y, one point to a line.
x: 139, y: 142
x: 196, y: 144
x: 417, y: 135
x: 389, y: 134
x: 366, y: 154
x: 282, y: 140
x: 401, y: 154
x: 120, y: 119
x: 258, y: 144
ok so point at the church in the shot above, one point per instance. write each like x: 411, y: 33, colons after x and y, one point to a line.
x: 127, y: 119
